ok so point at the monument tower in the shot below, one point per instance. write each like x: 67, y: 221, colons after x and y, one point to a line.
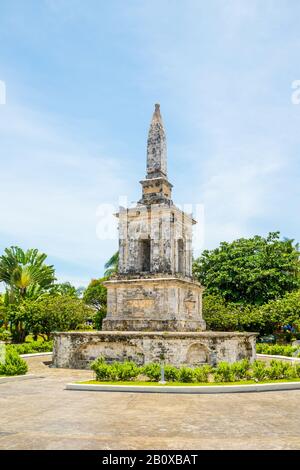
x: 154, y: 306
x: 154, y: 289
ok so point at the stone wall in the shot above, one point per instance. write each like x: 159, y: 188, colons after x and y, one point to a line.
x: 78, y: 349
x: 153, y: 304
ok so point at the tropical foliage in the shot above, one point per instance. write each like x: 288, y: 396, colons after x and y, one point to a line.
x: 222, y: 373
x: 265, y: 319
x: 95, y: 296
x: 111, y: 266
x: 250, y: 271
x: 25, y: 273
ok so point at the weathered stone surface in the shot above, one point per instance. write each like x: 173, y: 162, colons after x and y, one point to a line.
x: 156, y: 147
x: 168, y: 233
x: 154, y: 304
x: 78, y: 349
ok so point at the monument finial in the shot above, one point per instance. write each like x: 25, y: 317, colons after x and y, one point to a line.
x: 156, y: 147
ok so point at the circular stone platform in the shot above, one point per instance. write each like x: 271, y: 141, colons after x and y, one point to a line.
x: 77, y: 349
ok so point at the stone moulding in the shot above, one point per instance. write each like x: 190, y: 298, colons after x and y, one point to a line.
x: 78, y: 349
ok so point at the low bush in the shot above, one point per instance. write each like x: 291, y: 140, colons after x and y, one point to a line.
x: 241, y: 370
x: 259, y: 371
x: 297, y: 370
x: 5, y: 335
x: 223, y: 373
x: 171, y: 373
x: 33, y: 347
x: 201, y: 374
x: 153, y: 371
x: 14, y: 364
x: 186, y: 375
x: 116, y: 371
x: 280, y: 370
x: 278, y: 349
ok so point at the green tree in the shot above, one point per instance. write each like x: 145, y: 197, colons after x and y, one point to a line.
x: 251, y: 271
x: 64, y: 288
x: 264, y: 319
x: 112, y: 265
x: 95, y: 295
x: 25, y: 273
x: 46, y: 314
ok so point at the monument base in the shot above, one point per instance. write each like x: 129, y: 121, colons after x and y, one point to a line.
x: 77, y: 349
x: 153, y: 302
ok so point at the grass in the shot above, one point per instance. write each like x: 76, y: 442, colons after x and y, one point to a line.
x: 183, y: 384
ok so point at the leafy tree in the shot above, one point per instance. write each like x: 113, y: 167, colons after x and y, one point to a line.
x: 95, y: 295
x: 251, y: 271
x: 64, y: 288
x: 264, y: 319
x: 47, y: 314
x: 24, y: 273
x: 112, y: 265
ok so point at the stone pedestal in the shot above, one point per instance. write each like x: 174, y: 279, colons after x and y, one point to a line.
x: 153, y: 303
x: 78, y: 349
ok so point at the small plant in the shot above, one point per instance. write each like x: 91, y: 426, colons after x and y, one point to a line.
x: 201, y: 374
x: 297, y: 370
x: 100, y: 368
x: 186, y: 375
x: 153, y: 371
x: 117, y: 371
x: 171, y: 373
x: 240, y: 370
x: 223, y: 373
x: 33, y: 347
x: 5, y: 334
x: 280, y: 370
x: 259, y: 371
x: 277, y: 349
x: 14, y: 364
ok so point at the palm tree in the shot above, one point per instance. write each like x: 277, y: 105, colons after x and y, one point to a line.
x: 25, y: 273
x: 112, y: 265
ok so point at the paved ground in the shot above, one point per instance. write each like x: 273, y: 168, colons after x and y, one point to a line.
x: 40, y: 414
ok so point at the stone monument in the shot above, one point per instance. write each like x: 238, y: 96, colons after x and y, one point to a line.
x: 154, y: 306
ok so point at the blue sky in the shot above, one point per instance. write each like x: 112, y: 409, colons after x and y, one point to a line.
x: 81, y: 82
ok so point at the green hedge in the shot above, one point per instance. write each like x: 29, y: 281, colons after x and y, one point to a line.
x: 14, y: 364
x: 224, y: 372
x: 278, y: 349
x: 33, y: 347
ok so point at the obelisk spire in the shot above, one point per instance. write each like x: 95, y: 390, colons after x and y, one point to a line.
x: 156, y: 147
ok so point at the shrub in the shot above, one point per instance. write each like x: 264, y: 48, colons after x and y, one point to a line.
x: 277, y: 349
x: 297, y: 370
x: 223, y: 373
x: 100, y: 367
x: 186, y: 374
x: 280, y: 370
x: 5, y: 335
x: 153, y: 371
x: 240, y: 370
x: 259, y: 371
x: 201, y: 374
x: 14, y: 364
x: 171, y: 373
x: 33, y: 347
x: 116, y: 371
